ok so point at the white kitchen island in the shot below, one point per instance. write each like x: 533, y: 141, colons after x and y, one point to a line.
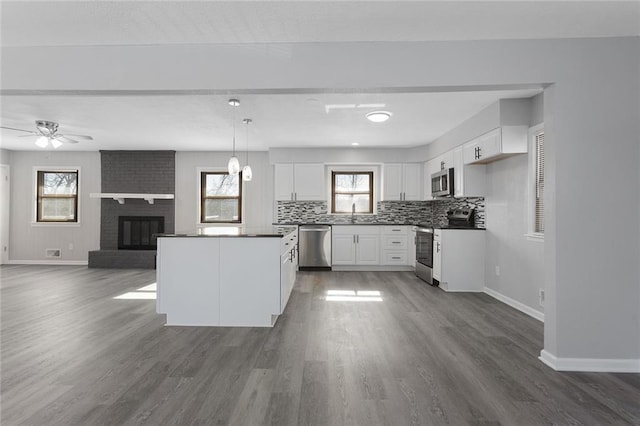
x: 226, y: 276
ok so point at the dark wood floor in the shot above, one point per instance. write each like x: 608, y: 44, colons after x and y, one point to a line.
x: 74, y: 355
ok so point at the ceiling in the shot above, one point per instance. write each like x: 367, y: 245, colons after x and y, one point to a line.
x: 201, y: 120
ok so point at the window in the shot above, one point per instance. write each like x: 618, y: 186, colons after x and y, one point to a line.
x: 57, y: 196
x: 220, y: 197
x: 536, y: 227
x: 350, y: 189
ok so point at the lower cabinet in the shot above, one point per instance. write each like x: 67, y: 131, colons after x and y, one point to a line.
x: 458, y: 259
x: 355, y: 245
x: 288, y: 267
x: 376, y: 245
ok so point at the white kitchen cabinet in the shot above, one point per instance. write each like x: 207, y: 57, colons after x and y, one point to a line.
x: 299, y: 182
x: 496, y: 144
x: 343, y: 248
x: 367, y: 249
x: 240, y: 281
x: 411, y: 247
x: 355, y: 245
x: 458, y: 259
x: 283, y: 177
x: 289, y: 268
x: 469, y: 180
x: 437, y: 255
x: 396, y: 243
x: 287, y: 277
x: 401, y: 182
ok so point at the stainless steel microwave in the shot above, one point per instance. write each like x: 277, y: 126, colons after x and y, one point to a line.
x: 442, y: 183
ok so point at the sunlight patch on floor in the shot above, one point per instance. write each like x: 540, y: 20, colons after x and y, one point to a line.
x: 147, y: 292
x: 353, y: 296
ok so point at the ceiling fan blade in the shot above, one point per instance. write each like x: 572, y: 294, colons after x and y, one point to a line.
x: 29, y: 136
x: 19, y: 130
x: 85, y: 137
x: 64, y: 139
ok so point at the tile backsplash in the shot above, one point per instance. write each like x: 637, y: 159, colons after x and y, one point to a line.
x: 388, y: 212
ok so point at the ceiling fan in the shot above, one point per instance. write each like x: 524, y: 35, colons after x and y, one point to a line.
x: 47, y: 133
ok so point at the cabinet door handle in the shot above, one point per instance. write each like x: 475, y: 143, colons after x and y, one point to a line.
x: 358, y: 238
x: 395, y: 242
x: 354, y: 239
x: 395, y: 257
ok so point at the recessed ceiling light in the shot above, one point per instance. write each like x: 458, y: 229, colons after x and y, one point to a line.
x: 378, y: 116
x: 355, y: 143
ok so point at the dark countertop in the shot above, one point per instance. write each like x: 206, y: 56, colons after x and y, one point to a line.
x: 472, y: 228
x: 460, y: 228
x: 237, y: 231
x: 346, y: 224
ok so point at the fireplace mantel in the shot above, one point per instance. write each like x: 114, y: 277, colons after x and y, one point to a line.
x: 120, y: 197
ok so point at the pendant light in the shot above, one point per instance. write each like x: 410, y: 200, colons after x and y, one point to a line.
x: 234, y: 164
x: 247, y: 174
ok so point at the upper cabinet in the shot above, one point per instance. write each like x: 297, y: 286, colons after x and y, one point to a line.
x: 401, y: 182
x: 299, y: 182
x: 496, y: 144
x: 468, y: 179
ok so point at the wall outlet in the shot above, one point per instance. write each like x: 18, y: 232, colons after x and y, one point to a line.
x: 541, y: 296
x: 497, y: 270
x: 53, y: 253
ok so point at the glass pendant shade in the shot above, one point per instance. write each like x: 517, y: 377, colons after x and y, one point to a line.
x: 55, y: 143
x: 42, y: 141
x: 234, y: 166
x: 247, y: 174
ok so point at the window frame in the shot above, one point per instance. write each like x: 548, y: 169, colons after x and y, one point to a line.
x: 371, y: 191
x: 532, y: 233
x: 202, y: 173
x: 38, y: 196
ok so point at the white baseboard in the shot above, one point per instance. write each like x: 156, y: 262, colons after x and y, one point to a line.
x: 49, y: 262
x: 590, y: 364
x: 375, y: 268
x: 515, y: 304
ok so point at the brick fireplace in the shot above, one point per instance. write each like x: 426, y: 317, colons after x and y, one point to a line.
x: 134, y: 172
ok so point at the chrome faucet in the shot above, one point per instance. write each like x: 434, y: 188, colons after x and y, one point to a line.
x: 353, y: 213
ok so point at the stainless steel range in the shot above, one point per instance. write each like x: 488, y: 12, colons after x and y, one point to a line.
x: 424, y: 253
x: 460, y: 218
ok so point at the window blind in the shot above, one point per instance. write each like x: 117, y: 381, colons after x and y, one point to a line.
x: 539, y: 212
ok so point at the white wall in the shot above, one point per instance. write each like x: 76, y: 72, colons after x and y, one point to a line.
x: 591, y: 122
x: 339, y: 155
x: 29, y: 240
x: 520, y: 261
x: 257, y: 194
x: 5, y: 156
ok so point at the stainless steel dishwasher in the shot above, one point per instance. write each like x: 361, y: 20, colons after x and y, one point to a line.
x: 315, y: 247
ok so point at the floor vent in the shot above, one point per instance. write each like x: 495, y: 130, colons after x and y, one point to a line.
x: 53, y: 253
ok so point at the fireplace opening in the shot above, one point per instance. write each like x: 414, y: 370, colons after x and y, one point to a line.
x: 139, y: 232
